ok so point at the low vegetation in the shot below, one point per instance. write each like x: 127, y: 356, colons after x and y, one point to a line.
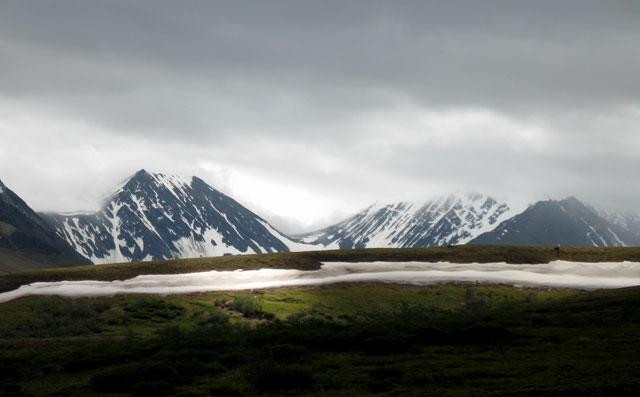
x: 355, y: 339
x: 449, y: 339
x: 312, y: 260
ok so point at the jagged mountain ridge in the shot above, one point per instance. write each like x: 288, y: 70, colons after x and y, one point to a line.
x: 453, y: 219
x: 155, y: 216
x: 27, y: 238
x: 564, y: 222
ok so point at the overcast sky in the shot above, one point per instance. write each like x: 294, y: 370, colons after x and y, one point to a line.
x: 308, y: 111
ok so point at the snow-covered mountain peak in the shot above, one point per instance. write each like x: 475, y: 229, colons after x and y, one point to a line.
x: 158, y: 216
x: 145, y: 181
x: 448, y: 219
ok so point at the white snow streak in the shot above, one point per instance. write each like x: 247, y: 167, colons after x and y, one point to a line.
x: 559, y: 274
x: 190, y: 247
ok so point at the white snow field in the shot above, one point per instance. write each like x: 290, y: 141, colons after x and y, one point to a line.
x: 558, y: 274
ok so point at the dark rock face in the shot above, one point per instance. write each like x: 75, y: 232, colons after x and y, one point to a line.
x: 155, y: 216
x: 23, y: 230
x: 565, y: 222
x: 453, y: 219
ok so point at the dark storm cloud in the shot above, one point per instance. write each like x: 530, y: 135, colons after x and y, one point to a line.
x: 327, y: 58
x: 345, y: 84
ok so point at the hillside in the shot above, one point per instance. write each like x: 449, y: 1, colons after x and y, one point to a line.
x: 27, y: 241
x: 567, y: 222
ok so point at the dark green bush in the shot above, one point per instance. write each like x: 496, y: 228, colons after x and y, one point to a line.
x: 387, y: 344
x: 151, y: 389
x: 216, y: 318
x: 247, y: 304
x: 272, y: 376
x: 126, y: 377
x: 150, y: 308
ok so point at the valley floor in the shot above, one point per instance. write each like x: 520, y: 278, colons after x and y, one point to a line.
x: 333, y: 340
x: 556, y: 274
x: 312, y: 261
x: 343, y: 339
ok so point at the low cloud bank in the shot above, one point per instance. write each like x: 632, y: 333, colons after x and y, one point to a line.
x: 558, y: 274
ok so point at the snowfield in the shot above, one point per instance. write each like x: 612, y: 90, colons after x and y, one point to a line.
x: 558, y: 274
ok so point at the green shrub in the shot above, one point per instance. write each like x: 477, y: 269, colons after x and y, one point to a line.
x: 386, y: 344
x: 150, y: 308
x: 143, y: 375
x: 63, y: 317
x: 286, y: 351
x: 158, y: 388
x: 268, y: 375
x: 247, y: 304
x: 215, y: 318
x: 473, y: 303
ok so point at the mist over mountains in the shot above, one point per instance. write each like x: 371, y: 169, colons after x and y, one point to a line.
x: 153, y: 216
x: 27, y: 241
x: 452, y: 219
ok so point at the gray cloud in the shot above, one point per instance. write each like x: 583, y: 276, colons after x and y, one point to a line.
x: 344, y: 102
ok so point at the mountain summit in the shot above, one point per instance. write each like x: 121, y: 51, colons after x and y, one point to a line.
x: 157, y: 216
x: 452, y: 219
x: 564, y: 222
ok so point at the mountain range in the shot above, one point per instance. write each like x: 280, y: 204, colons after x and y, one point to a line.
x: 155, y: 216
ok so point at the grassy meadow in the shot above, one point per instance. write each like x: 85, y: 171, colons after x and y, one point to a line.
x: 312, y: 260
x: 345, y: 339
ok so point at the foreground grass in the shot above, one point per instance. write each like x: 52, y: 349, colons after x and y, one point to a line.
x: 357, y: 339
x: 311, y: 261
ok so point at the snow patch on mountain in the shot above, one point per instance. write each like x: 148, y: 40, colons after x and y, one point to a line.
x: 157, y: 216
x: 452, y: 219
x: 628, y: 221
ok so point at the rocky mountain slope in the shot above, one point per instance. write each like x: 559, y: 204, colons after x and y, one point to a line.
x: 453, y: 219
x: 564, y: 222
x: 26, y: 240
x: 156, y: 216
